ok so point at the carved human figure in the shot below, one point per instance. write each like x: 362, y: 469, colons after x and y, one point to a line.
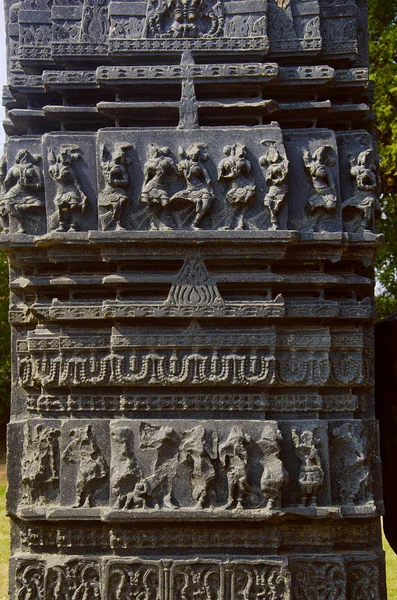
x: 198, y: 189
x: 237, y: 169
x: 125, y: 472
x: 70, y: 200
x: 276, y: 163
x: 311, y: 473
x: 198, y: 451
x: 322, y: 205
x: 114, y: 197
x: 93, y: 470
x: 274, y: 475
x: 349, y: 453
x: 361, y: 210
x: 234, y: 459
x: 158, y: 169
x: 165, y: 441
x: 40, y: 465
x: 20, y: 198
x: 30, y: 582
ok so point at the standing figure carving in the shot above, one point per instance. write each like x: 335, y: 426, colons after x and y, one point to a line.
x: 322, y: 205
x: 361, y: 210
x: 70, y: 200
x: 158, y: 169
x: 165, y: 441
x: 276, y: 163
x: 274, y: 475
x: 93, y: 470
x: 353, y: 474
x: 237, y: 169
x: 198, y: 451
x: 198, y: 189
x: 311, y: 473
x: 20, y: 200
x: 114, y: 197
x: 125, y: 474
x: 40, y: 465
x: 234, y: 459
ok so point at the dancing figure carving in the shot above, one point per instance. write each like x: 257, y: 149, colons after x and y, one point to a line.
x: 237, y: 169
x: 158, y: 169
x: 114, y: 196
x: 20, y: 199
x: 70, y: 200
x: 311, y: 474
x: 198, y: 190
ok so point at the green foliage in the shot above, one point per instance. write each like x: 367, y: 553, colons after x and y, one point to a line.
x: 383, y: 45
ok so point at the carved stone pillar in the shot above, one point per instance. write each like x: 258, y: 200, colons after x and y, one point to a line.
x: 189, y: 201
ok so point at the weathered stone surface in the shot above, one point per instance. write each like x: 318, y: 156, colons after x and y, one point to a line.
x: 189, y: 200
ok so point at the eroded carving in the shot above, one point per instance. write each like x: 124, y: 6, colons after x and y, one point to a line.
x: 30, y: 580
x: 75, y: 579
x: 350, y: 460
x: 276, y: 163
x: 70, y: 200
x: 315, y: 580
x: 114, y: 197
x: 21, y: 202
x: 274, y: 475
x: 93, y: 470
x: 321, y: 206
x: 165, y: 441
x: 198, y: 451
x: 311, y: 473
x: 361, y: 210
x: 125, y: 474
x: 234, y: 459
x: 40, y: 465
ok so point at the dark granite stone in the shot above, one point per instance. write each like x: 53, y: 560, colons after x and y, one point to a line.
x: 188, y: 200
